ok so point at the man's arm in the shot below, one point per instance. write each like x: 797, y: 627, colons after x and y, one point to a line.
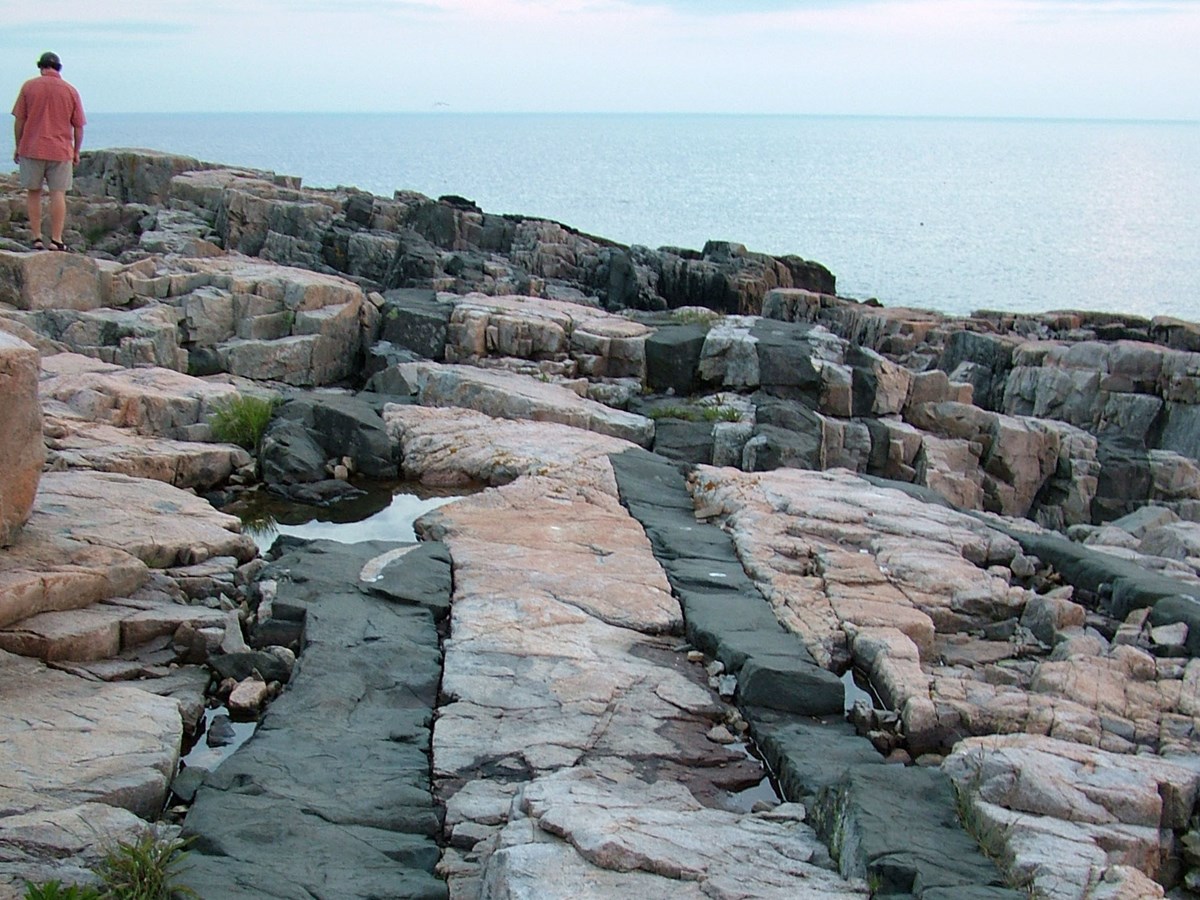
x: 18, y: 129
x: 78, y: 141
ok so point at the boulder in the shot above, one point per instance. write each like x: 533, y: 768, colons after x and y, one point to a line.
x: 42, y: 281
x: 728, y: 278
x: 147, y: 400
x: 729, y: 357
x: 454, y: 446
x: 1081, y: 808
x: 69, y: 741
x: 159, y: 524
x: 1017, y: 455
x: 416, y: 320
x: 568, y: 338
x: 881, y: 387
x: 75, y: 443
x: 990, y: 357
x: 509, y: 396
x: 44, y: 571
x: 790, y: 363
x: 21, y: 444
x: 132, y: 176
x: 308, y: 431
x: 146, y: 336
x: 673, y: 358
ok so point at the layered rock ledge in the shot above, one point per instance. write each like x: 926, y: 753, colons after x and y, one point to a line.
x: 939, y: 575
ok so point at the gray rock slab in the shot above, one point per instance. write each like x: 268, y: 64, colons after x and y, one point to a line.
x: 673, y: 358
x: 419, y: 574
x: 698, y: 575
x: 728, y: 624
x: 734, y: 645
x: 647, y: 477
x: 676, y: 534
x: 416, y: 320
x: 790, y: 684
x: 782, y: 690
x: 700, y: 561
x: 1128, y: 585
x: 806, y: 755
x: 331, y: 796
x: 786, y: 359
x: 684, y: 441
x: 253, y: 849
x: 897, y: 826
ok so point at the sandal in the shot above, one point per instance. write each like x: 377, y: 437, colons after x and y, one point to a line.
x: 38, y: 245
x: 57, y: 245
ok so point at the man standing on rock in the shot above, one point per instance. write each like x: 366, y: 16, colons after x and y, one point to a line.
x: 49, y: 132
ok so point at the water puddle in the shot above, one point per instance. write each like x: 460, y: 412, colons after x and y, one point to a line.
x: 766, y: 791
x: 858, y: 688
x: 384, y: 512
x: 216, y: 721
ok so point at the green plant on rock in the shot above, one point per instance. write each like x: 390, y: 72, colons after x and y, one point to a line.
x: 242, y: 419
x: 56, y: 890
x: 696, y: 413
x: 146, y: 869
x: 991, y: 837
x: 721, y: 414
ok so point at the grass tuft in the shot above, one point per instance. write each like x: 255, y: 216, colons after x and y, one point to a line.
x: 242, y: 420
x: 696, y: 413
x: 56, y: 890
x: 147, y: 869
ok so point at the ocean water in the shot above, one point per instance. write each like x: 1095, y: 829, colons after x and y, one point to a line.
x: 948, y: 214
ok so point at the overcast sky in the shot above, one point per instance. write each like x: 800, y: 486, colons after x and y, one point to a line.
x: 1045, y: 58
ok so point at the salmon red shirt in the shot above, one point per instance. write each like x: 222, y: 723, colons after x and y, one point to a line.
x: 52, y: 111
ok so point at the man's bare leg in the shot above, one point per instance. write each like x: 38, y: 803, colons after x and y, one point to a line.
x: 33, y: 206
x: 58, y: 215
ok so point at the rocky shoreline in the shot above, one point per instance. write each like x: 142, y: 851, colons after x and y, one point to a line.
x: 699, y: 489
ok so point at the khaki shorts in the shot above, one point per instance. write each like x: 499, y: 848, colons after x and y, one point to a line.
x: 56, y: 174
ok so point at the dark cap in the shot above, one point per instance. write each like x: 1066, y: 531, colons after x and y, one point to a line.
x: 49, y: 61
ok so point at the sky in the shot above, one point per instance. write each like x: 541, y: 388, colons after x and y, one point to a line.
x: 1105, y: 59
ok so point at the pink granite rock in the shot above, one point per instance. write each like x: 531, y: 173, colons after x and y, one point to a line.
x: 21, y: 445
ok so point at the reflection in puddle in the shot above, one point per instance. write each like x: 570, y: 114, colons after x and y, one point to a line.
x: 204, y: 756
x: 385, y: 512
x: 766, y: 790
x: 857, y: 690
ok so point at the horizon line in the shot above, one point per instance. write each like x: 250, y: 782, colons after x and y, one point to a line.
x: 714, y: 114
